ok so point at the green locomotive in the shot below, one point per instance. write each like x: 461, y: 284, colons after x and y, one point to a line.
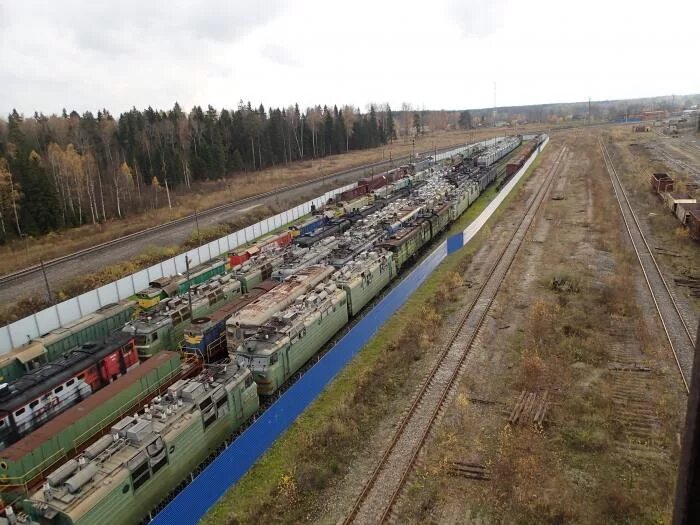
x: 364, y: 277
x: 126, y: 473
x: 282, y: 345
x: 170, y: 286
x: 165, y: 329
x: 58, y: 342
x: 54, y: 442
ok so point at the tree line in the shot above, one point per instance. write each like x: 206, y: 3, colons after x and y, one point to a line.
x: 67, y: 170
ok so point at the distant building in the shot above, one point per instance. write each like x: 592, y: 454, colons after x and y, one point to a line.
x: 653, y: 115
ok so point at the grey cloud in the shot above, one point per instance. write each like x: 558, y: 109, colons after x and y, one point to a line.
x: 129, y: 26
x: 478, y: 18
x: 225, y: 21
x: 279, y: 55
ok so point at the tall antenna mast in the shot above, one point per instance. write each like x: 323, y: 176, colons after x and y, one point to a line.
x: 589, y: 110
x: 494, y: 112
x: 494, y: 103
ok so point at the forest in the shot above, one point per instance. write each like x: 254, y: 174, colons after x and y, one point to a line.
x: 67, y: 170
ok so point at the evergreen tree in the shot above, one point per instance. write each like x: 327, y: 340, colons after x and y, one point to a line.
x: 390, y: 128
x: 465, y: 120
x: 327, y: 147
x: 417, y: 123
x: 40, y: 209
x: 372, y: 129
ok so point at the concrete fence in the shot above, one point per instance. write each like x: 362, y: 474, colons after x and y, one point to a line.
x: 66, y: 312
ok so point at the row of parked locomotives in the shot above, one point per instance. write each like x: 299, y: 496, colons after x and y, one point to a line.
x: 209, y: 351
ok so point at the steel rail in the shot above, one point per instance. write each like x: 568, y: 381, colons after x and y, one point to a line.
x: 660, y: 291
x: 531, y: 211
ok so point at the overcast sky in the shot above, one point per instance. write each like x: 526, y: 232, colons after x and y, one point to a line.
x: 437, y: 54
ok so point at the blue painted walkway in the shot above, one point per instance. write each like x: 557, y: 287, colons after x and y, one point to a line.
x: 198, y: 497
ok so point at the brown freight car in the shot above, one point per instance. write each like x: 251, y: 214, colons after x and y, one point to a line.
x: 661, y: 183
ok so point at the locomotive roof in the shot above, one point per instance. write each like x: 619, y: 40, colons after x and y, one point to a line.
x: 359, y: 266
x: 290, y: 320
x: 116, y: 463
x: 260, y: 310
x: 57, y: 334
x: 37, y: 382
x: 53, y: 427
x: 231, y: 308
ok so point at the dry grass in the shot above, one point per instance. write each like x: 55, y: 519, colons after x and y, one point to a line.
x: 575, y: 470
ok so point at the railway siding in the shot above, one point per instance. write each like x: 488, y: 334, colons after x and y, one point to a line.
x: 672, y: 318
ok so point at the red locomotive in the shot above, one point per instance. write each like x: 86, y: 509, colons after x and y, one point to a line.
x: 35, y: 398
x: 246, y: 252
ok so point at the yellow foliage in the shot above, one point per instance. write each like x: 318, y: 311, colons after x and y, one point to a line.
x: 287, y: 487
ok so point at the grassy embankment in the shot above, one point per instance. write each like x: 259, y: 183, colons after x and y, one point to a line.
x: 319, y: 447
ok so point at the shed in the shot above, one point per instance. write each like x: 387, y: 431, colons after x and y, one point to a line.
x: 674, y: 199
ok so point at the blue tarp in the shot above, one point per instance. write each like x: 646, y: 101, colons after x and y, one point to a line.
x: 190, y: 505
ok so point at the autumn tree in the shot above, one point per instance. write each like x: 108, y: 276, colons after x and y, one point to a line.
x: 10, y: 195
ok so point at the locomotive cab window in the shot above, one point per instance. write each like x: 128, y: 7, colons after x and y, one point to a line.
x: 273, y: 359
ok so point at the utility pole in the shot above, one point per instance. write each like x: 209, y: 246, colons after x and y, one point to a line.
x: 46, y: 279
x: 189, y: 285
x: 196, y: 222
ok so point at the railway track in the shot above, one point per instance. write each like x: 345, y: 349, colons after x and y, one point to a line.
x: 675, y: 326
x: 383, y: 488
x: 678, y: 162
x: 36, y: 269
